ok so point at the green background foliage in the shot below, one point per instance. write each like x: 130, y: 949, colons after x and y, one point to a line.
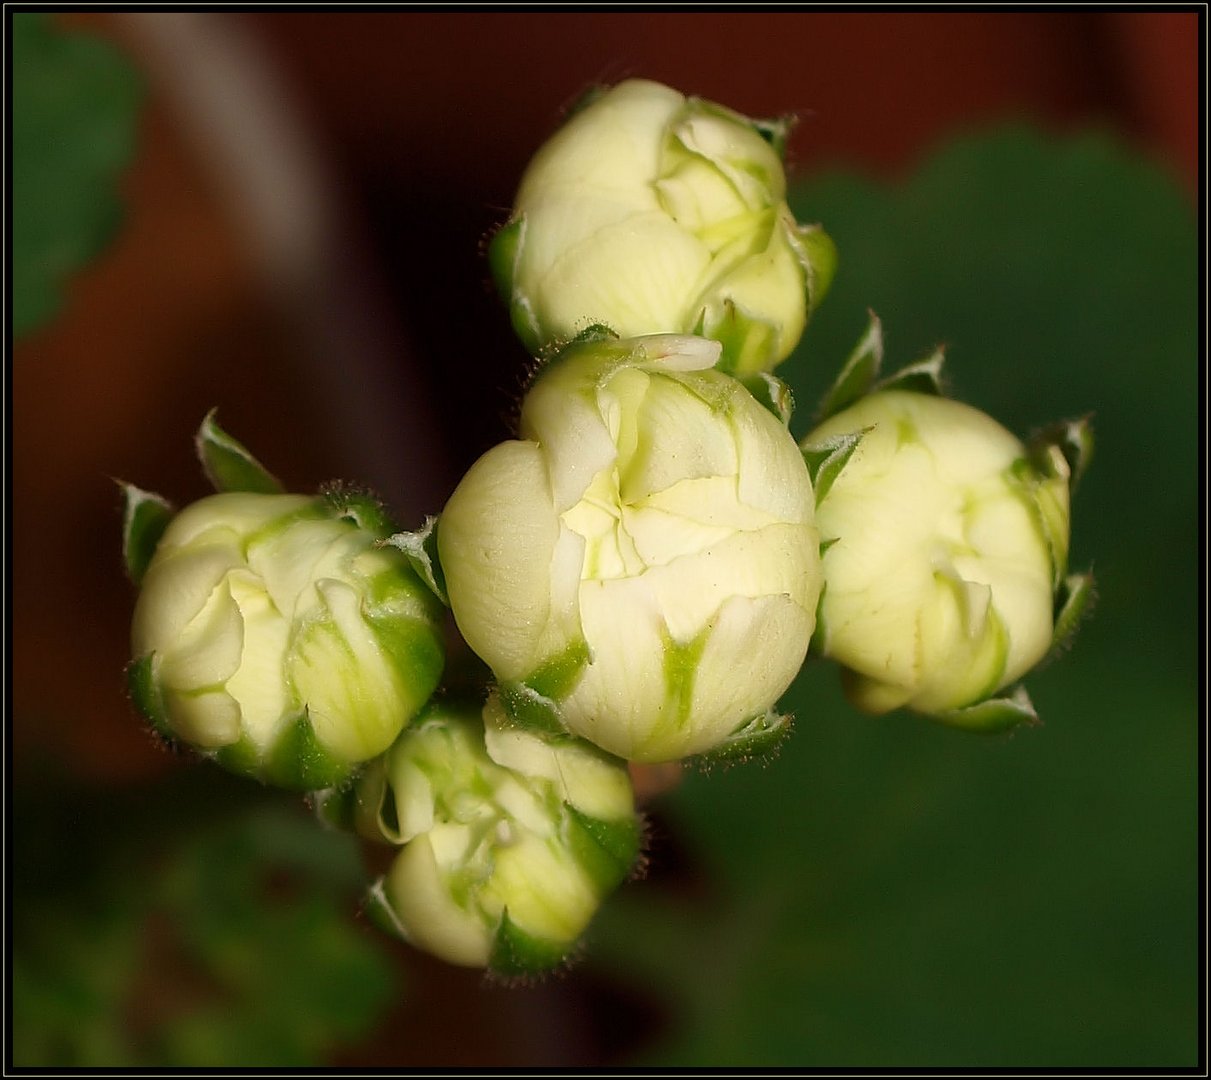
x: 889, y: 892
x: 201, y: 921
x: 74, y: 112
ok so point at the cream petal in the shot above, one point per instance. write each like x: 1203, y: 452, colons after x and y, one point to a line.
x: 679, y: 437
x: 206, y: 720
x: 753, y: 652
x: 620, y: 696
x: 635, y: 276
x: 772, y: 475
x: 260, y: 685
x: 177, y: 586
x: 496, y: 540
x: 615, y: 142
x: 420, y: 898
x: 207, y: 652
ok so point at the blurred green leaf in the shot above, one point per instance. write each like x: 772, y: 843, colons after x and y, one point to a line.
x: 890, y: 892
x: 74, y: 102
x: 197, y: 923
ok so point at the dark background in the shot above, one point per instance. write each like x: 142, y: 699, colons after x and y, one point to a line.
x: 302, y: 248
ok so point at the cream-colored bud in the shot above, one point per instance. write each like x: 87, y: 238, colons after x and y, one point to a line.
x: 650, y: 212
x: 280, y: 637
x: 944, y: 546
x: 642, y: 564
x: 509, y: 842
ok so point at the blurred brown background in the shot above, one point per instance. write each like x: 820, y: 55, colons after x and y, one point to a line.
x: 302, y: 250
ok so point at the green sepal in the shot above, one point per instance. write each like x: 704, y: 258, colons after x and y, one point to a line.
x: 380, y: 912
x: 826, y: 459
x: 336, y: 807
x: 819, y: 640
x: 923, y: 376
x: 1073, y: 602
x: 145, y: 696
x: 1037, y: 477
x: 606, y: 850
x: 530, y: 710
x: 858, y: 373
x: 759, y: 737
x: 145, y: 516
x: 747, y: 341
x: 817, y: 256
x: 298, y: 762
x: 502, y: 255
x: 994, y: 716
x: 228, y: 464
x: 770, y: 391
x: 775, y: 131
x: 420, y: 549
x: 586, y: 98
x: 514, y: 952
x: 1074, y: 438
x: 240, y: 757
x: 360, y: 506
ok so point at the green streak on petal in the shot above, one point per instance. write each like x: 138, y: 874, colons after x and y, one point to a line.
x: 556, y: 678
x: 145, y: 517
x: 228, y: 464
x: 606, y: 850
x: 299, y: 763
x: 414, y: 651
x: 994, y: 716
x: 681, y: 662
x: 514, y: 952
x: 858, y: 373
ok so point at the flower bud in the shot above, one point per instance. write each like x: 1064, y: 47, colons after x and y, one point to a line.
x: 641, y: 568
x: 651, y: 212
x: 509, y: 842
x: 278, y: 635
x: 946, y: 541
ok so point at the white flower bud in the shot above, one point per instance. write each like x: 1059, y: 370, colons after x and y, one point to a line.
x: 277, y: 635
x: 510, y: 842
x: 641, y: 567
x: 945, y: 546
x: 651, y: 212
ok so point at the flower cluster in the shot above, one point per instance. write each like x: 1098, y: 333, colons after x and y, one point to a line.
x: 643, y: 569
